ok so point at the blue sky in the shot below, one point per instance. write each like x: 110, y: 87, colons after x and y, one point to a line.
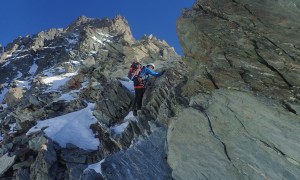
x: 28, y: 17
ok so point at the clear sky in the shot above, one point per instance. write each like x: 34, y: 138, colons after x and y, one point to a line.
x: 28, y: 17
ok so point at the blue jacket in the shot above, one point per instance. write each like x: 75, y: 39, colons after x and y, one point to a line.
x: 145, y: 72
x: 148, y: 71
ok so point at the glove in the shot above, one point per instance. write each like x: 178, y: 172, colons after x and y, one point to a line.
x: 162, y: 72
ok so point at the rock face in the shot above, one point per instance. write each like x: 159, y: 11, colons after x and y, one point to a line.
x: 6, y: 162
x: 131, y: 164
x: 242, y: 96
x: 229, y: 109
x: 253, y: 41
x: 13, y: 96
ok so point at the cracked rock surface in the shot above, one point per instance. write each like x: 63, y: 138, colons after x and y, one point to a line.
x: 240, y: 119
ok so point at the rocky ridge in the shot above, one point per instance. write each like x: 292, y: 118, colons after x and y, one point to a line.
x: 90, y: 59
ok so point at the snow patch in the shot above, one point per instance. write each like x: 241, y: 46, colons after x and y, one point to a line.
x: 73, y: 39
x: 67, y: 97
x: 19, y: 57
x: 33, y: 68
x: 15, y: 56
x: 55, y: 82
x: 19, y: 75
x: 96, y: 166
x: 103, y: 38
x: 84, y: 84
x: 2, y: 94
x: 77, y: 63
x: 12, y: 128
x: 71, y: 128
x: 119, y: 129
x: 126, y: 82
x: 104, y: 35
x: 52, y: 47
x: 130, y: 117
x: 24, y: 84
x: 98, y: 40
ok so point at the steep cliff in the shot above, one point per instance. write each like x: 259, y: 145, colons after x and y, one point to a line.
x: 241, y: 119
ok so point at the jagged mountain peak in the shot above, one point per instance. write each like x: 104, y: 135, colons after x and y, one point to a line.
x: 101, y: 47
x: 116, y: 26
x: 86, y: 41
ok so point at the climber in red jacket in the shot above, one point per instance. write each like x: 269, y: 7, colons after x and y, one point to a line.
x: 140, y: 85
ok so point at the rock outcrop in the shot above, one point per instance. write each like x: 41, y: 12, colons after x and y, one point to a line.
x: 241, y: 119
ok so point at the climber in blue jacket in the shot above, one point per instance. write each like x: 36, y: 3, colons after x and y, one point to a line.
x: 140, y: 85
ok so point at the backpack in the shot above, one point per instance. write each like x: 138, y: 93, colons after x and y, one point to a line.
x: 134, y: 70
x: 141, y: 78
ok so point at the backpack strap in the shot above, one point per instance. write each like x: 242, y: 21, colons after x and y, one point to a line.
x: 142, y: 72
x: 136, y: 72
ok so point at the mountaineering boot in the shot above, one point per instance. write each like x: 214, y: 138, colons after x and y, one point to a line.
x: 139, y: 113
x: 135, y: 112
